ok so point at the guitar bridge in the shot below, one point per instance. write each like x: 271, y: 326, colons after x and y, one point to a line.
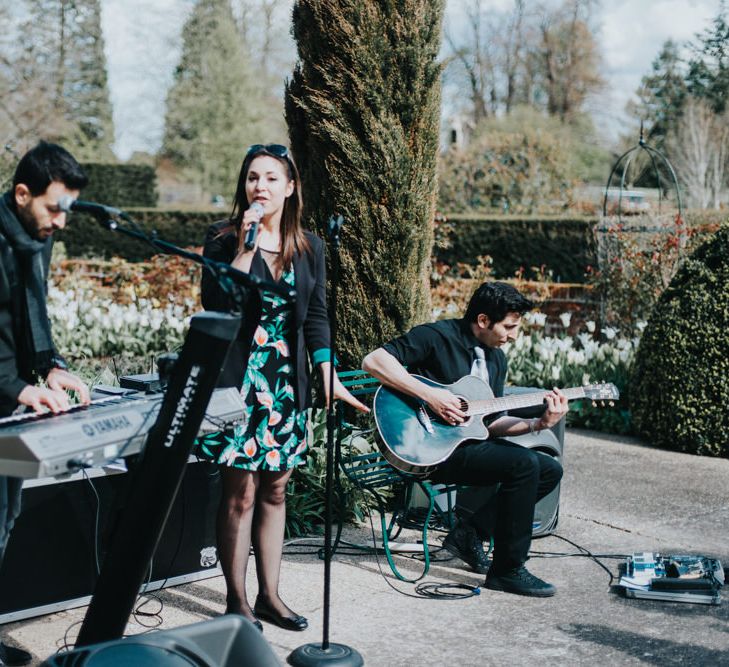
x: 424, y: 419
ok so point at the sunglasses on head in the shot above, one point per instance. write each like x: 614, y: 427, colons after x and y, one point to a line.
x: 278, y: 150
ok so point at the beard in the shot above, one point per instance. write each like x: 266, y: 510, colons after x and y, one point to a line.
x: 31, y: 224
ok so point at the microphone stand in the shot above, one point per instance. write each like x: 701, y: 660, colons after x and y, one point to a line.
x: 313, y: 654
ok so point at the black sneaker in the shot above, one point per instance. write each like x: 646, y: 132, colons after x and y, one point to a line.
x: 9, y: 655
x: 521, y: 582
x: 463, y: 541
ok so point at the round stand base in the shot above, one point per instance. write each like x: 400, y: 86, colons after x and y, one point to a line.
x: 310, y: 655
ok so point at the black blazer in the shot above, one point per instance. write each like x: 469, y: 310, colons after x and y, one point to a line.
x: 309, y: 330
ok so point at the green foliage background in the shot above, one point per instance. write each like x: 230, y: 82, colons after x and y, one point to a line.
x: 363, y: 112
x: 121, y: 185
x: 213, y: 111
x: 562, y: 245
x: 680, y: 381
x: 524, y: 162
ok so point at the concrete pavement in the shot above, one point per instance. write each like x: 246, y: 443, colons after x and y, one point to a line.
x: 618, y: 496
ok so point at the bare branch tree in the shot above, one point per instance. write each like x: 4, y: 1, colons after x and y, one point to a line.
x: 476, y: 60
x: 699, y: 148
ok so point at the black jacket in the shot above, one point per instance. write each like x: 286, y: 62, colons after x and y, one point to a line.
x: 16, y: 354
x: 309, y: 330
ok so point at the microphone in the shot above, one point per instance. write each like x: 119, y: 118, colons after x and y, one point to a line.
x: 68, y: 203
x: 252, y: 232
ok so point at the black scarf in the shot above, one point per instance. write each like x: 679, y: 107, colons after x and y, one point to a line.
x: 32, y: 262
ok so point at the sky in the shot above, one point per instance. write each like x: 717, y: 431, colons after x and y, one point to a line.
x: 142, y: 49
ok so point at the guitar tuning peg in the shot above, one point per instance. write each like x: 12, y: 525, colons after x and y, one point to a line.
x: 594, y: 404
x: 611, y: 404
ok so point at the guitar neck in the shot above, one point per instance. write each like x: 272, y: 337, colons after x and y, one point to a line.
x: 491, y: 405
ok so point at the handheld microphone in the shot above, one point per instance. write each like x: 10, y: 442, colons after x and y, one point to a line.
x: 68, y: 203
x: 252, y: 233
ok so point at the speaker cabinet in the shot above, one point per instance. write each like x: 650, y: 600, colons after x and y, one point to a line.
x: 51, y: 560
x: 227, y: 641
x: 549, y: 442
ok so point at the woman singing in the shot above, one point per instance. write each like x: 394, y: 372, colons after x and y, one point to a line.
x: 269, y: 362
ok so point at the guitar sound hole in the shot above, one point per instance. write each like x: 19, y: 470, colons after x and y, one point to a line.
x: 464, y: 404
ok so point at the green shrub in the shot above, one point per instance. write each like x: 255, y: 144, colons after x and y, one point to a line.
x: 306, y: 492
x: 520, y: 172
x: 522, y: 244
x: 121, y: 185
x: 680, y: 380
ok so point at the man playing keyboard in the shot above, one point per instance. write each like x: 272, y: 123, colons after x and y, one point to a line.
x: 29, y: 216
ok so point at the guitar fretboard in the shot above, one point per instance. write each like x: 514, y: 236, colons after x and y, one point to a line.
x: 491, y: 405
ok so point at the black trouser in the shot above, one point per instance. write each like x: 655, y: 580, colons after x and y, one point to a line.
x: 524, y: 477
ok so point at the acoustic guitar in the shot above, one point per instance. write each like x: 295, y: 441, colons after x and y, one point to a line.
x: 415, y: 440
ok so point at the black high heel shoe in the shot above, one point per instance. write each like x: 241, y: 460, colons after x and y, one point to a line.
x: 264, y: 611
x: 253, y: 620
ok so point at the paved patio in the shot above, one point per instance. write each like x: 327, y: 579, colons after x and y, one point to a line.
x: 617, y: 497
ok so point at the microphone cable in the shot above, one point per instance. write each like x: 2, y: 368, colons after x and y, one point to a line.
x: 429, y: 590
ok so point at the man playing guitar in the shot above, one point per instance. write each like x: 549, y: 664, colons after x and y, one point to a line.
x: 445, y: 351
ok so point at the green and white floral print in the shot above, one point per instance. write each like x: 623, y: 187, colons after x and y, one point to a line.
x: 272, y: 433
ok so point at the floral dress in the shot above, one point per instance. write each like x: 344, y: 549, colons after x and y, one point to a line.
x: 272, y: 433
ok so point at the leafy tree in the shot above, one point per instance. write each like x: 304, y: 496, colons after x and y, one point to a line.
x: 708, y: 69
x: 213, y: 108
x: 661, y: 94
x: 363, y: 114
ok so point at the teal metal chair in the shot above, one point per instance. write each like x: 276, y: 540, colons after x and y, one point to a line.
x: 370, y: 472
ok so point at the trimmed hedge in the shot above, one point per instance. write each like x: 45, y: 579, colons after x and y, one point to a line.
x: 121, y: 185
x: 679, y: 389
x: 84, y: 237
x: 566, y: 246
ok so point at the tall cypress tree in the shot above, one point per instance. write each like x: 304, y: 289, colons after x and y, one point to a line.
x: 363, y: 113
x: 661, y: 94
x: 214, y: 107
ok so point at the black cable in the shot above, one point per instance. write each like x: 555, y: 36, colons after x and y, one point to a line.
x: 96, y: 521
x: 138, y: 432
x: 67, y: 646
x: 144, y: 599
x: 586, y: 553
x: 138, y: 610
x: 436, y: 591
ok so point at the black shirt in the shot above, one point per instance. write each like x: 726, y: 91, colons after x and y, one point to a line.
x: 444, y: 351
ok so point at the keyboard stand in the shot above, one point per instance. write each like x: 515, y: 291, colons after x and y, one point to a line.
x: 156, y: 480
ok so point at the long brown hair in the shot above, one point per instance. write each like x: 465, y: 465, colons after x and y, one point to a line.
x: 292, y: 233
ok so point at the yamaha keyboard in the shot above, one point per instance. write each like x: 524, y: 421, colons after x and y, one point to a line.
x: 46, y: 445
